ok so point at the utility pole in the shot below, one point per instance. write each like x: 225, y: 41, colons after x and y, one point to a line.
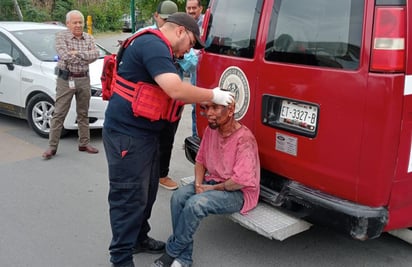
x: 18, y: 11
x: 132, y: 16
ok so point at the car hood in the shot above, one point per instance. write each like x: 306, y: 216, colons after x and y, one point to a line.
x: 48, y: 67
x: 95, y: 70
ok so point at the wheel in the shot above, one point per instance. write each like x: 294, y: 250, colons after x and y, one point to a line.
x: 39, y: 113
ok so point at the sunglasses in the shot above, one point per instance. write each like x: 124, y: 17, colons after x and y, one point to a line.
x: 192, y: 42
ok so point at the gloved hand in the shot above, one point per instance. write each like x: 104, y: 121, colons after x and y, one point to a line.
x: 221, y: 97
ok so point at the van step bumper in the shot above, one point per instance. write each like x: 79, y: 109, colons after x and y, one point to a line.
x: 266, y: 220
x: 404, y: 234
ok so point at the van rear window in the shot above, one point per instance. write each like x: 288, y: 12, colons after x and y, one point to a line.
x: 233, y: 27
x: 324, y: 33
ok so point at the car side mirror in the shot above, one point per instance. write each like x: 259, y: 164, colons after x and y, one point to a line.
x: 7, y: 60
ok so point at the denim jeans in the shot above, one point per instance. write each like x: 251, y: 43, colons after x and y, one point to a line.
x: 188, y: 209
x: 134, y: 179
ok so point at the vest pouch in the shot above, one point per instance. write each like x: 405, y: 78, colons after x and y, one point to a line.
x: 150, y: 102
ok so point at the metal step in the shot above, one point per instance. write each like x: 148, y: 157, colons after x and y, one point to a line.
x: 404, y: 234
x: 266, y: 220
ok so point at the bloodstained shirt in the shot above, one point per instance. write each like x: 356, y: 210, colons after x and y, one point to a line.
x: 235, y: 157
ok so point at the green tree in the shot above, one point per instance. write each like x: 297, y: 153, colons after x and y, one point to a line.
x: 60, y: 8
x: 7, y: 11
x: 106, y: 14
x: 147, y: 7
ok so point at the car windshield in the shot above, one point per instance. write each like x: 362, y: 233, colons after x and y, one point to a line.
x: 41, y: 43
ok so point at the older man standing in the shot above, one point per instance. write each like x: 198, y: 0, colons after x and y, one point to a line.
x: 76, y: 50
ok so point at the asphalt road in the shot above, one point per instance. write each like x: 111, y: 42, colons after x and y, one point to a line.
x: 55, y: 213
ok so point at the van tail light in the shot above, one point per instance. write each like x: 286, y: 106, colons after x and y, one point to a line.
x: 388, y: 48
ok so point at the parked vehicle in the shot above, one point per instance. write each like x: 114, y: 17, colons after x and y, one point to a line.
x: 326, y: 87
x: 28, y: 81
x: 127, y: 22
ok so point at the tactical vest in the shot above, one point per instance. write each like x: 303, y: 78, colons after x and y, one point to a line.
x: 148, y: 100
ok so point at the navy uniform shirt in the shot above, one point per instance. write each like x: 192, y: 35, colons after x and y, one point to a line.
x: 145, y: 58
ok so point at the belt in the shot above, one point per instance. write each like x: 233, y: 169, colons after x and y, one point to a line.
x: 79, y: 74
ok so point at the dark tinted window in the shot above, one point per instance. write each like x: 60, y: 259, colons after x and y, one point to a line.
x: 233, y: 26
x: 317, y: 32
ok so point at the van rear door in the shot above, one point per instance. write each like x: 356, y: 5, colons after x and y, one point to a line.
x: 328, y: 122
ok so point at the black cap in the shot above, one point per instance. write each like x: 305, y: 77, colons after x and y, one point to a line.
x: 185, y: 20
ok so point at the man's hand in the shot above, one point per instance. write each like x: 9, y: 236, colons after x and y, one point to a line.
x: 200, y: 188
x: 221, y: 97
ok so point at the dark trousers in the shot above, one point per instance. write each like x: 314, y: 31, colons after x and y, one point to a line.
x: 167, y: 137
x: 134, y: 179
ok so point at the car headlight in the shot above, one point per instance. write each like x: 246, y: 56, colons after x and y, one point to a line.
x: 96, y: 90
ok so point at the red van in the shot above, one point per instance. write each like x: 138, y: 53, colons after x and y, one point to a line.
x: 326, y: 87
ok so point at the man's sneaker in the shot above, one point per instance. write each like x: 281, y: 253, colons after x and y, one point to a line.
x: 150, y: 245
x: 176, y: 263
x: 168, y: 183
x: 164, y: 261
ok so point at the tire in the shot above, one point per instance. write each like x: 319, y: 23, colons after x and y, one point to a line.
x: 39, y: 113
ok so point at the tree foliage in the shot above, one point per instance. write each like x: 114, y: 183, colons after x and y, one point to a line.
x: 106, y: 14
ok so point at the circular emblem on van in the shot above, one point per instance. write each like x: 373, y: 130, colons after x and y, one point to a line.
x: 234, y: 80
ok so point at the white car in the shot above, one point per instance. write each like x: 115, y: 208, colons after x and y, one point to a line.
x: 28, y: 81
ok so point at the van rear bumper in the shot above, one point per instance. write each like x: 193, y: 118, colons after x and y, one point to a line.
x: 359, y: 221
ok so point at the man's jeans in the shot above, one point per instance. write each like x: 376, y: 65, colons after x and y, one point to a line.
x: 188, y: 209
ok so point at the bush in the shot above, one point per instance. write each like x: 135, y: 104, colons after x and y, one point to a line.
x: 105, y: 16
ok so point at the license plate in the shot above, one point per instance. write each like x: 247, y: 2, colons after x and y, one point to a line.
x: 299, y: 115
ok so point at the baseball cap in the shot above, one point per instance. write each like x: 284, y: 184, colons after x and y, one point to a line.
x: 166, y: 8
x: 185, y: 20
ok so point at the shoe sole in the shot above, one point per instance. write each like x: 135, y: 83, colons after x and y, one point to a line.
x: 169, y: 187
x: 136, y: 251
x: 48, y: 156
x: 88, y: 151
